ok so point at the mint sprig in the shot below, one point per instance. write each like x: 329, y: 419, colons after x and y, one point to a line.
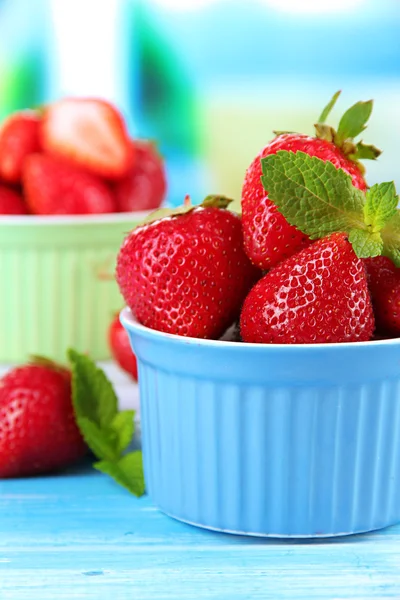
x: 319, y: 200
x: 106, y: 431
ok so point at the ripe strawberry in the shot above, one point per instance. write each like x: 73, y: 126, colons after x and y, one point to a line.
x: 89, y: 132
x: 38, y: 433
x: 11, y: 203
x: 145, y: 186
x: 318, y: 295
x: 120, y: 347
x: 53, y: 187
x: 187, y: 274
x: 19, y: 137
x: 384, y: 285
x: 268, y: 237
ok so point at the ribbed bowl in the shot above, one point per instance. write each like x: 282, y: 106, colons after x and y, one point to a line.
x: 270, y: 440
x: 57, y: 287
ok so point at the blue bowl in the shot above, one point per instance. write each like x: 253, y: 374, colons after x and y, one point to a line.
x: 270, y: 440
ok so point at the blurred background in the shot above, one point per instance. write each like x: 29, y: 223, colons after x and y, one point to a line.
x: 209, y: 79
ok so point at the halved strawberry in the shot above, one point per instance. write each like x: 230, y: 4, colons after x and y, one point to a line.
x: 53, y: 187
x: 19, y: 137
x: 90, y: 133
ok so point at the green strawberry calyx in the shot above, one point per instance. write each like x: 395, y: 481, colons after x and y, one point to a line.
x: 211, y: 201
x: 351, y: 125
x: 319, y: 200
x: 107, y: 431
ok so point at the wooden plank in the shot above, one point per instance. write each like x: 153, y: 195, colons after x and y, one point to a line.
x: 81, y: 536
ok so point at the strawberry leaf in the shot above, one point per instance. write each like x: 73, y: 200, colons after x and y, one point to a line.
x: 93, y: 394
x: 354, y: 120
x: 380, y: 205
x: 312, y: 194
x: 127, y: 471
x: 328, y: 108
x: 366, y: 243
x: 367, y: 151
x: 124, y: 427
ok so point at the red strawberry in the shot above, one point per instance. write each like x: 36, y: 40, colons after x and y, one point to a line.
x: 120, y: 347
x: 19, y: 137
x: 268, y: 237
x: 384, y: 285
x: 318, y: 295
x: 145, y: 186
x: 187, y: 274
x: 53, y: 187
x: 38, y: 433
x: 11, y: 203
x: 90, y: 133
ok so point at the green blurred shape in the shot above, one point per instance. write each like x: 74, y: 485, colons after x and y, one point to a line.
x: 164, y: 91
x: 22, y: 81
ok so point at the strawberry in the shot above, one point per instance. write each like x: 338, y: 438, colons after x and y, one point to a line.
x: 145, y: 186
x: 11, y: 203
x: 384, y: 285
x: 187, y: 273
x: 19, y: 137
x: 38, y: 433
x: 268, y: 237
x: 90, y: 133
x: 318, y: 295
x: 53, y: 187
x: 120, y: 347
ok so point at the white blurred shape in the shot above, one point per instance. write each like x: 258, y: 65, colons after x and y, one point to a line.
x: 184, y: 4
x: 86, y: 47
x: 313, y: 6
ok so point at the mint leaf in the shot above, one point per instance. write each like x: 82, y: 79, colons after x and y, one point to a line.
x: 93, y: 395
x: 354, y: 120
x: 367, y: 151
x: 312, y: 194
x: 127, y: 471
x: 103, y: 443
x: 327, y: 110
x: 366, y: 243
x: 124, y: 427
x: 391, y: 239
x: 380, y: 205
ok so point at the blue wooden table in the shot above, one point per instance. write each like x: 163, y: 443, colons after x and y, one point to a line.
x: 79, y: 535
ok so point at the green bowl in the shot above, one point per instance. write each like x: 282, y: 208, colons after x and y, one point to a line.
x: 57, y: 283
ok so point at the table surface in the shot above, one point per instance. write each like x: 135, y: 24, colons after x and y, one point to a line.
x: 79, y: 535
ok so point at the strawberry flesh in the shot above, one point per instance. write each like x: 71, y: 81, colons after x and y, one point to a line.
x: 384, y: 284
x: 90, y: 133
x: 144, y: 188
x: 19, y: 137
x: 187, y: 274
x: 38, y: 433
x: 53, y: 187
x: 121, y: 350
x: 318, y: 295
x: 268, y: 237
x: 11, y: 202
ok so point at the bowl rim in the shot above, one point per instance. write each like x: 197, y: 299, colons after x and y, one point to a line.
x: 51, y: 220
x: 127, y: 318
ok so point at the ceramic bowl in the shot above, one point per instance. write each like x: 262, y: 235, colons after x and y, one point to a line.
x: 57, y: 287
x: 270, y: 440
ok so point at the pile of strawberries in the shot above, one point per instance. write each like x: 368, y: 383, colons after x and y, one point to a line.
x: 75, y: 156
x: 196, y: 271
